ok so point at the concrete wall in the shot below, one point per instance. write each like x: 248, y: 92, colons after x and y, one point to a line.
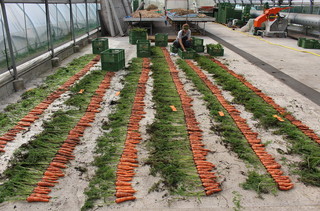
x: 42, y: 64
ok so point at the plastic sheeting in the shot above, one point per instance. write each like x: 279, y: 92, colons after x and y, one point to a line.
x: 28, y: 28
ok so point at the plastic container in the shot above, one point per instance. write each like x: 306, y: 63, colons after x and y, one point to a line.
x: 300, y: 41
x: 100, y: 44
x: 113, y: 59
x: 215, y: 50
x: 198, y: 49
x: 173, y: 49
x: 189, y: 54
x: 317, y: 44
x: 197, y: 41
x: 307, y: 43
x: 134, y: 36
x: 143, y: 48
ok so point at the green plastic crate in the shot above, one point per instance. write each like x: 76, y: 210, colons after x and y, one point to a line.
x: 161, y: 37
x: 143, y: 48
x: 317, y: 45
x: 189, y: 54
x: 113, y: 66
x: 215, y: 51
x: 198, y: 49
x: 113, y: 59
x: 100, y: 44
x: 197, y: 41
x: 134, y: 36
x: 300, y: 41
x: 143, y: 54
x: 161, y: 43
x: 307, y: 43
x: 173, y: 49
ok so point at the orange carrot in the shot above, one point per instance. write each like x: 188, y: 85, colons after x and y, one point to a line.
x: 122, y: 194
x: 45, y: 184
x: 118, y: 183
x: 128, y: 198
x: 37, y: 199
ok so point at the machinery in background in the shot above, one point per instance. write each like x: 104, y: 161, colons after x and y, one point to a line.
x: 274, y: 24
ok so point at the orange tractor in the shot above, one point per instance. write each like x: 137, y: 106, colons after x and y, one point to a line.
x: 274, y: 23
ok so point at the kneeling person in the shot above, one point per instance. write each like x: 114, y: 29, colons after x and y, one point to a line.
x: 184, y: 38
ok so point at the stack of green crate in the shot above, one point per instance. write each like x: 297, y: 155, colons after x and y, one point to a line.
x: 113, y: 59
x: 215, y: 50
x: 143, y: 48
x: 316, y: 44
x: 173, y: 49
x: 136, y: 34
x: 300, y: 41
x: 99, y: 44
x: 308, y: 43
x: 161, y: 40
x: 188, y: 54
x: 197, y: 44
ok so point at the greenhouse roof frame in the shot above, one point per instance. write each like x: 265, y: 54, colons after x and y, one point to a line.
x: 52, y: 1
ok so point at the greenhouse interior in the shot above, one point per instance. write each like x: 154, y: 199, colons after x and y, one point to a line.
x: 160, y: 105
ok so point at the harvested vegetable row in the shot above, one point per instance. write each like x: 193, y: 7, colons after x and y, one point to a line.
x: 273, y: 168
x: 125, y: 168
x: 34, y: 114
x: 305, y: 129
x: 65, y: 153
x: 204, y: 167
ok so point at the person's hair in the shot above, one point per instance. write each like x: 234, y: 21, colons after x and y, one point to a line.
x: 185, y: 26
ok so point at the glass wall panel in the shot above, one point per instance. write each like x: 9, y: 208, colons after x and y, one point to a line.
x: 79, y: 19
x: 4, y: 52
x: 27, y: 24
x: 60, y: 23
x: 92, y: 16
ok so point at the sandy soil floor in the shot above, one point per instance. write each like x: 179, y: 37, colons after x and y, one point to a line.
x: 68, y: 195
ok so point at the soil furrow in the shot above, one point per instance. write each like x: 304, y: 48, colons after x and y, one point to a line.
x: 128, y: 160
x: 38, y: 110
x: 204, y: 168
x: 304, y: 128
x: 273, y: 168
x: 65, y: 153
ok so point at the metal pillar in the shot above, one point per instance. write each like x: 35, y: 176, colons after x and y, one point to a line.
x: 87, y: 18
x: 6, y: 25
x: 71, y: 23
x: 49, y: 32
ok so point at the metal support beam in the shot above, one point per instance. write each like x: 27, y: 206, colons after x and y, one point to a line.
x: 49, y: 32
x: 72, y: 24
x: 6, y: 25
x: 87, y: 17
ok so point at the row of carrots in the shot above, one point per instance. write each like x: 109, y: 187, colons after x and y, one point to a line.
x: 273, y: 168
x: 204, y: 167
x: 65, y: 152
x: 305, y: 129
x: 128, y: 160
x: 34, y: 114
